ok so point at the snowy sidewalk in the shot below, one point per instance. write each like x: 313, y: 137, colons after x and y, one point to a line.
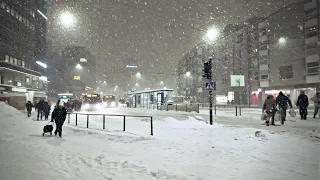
x: 180, y: 150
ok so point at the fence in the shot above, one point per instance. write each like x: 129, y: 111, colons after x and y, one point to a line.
x: 104, y: 119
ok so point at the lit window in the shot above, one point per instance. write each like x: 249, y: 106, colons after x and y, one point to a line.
x: 11, y: 60
x: 76, y: 78
x: 3, y: 5
x: 23, y: 64
x: 83, y: 60
x: 19, y: 62
x: 7, y: 58
x: 15, y: 61
x: 8, y: 9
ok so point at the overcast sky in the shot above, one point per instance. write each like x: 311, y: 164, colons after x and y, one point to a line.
x: 153, y: 34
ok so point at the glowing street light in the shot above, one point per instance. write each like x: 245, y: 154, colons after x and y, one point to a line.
x: 137, y: 84
x: 282, y: 40
x: 161, y: 82
x: 212, y: 34
x: 138, y: 75
x: 79, y: 66
x: 67, y: 19
x: 188, y: 74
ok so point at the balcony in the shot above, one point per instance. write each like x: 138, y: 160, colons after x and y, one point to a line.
x: 312, y: 58
x: 311, y: 40
x: 311, y: 22
x: 4, y: 65
x: 310, y: 5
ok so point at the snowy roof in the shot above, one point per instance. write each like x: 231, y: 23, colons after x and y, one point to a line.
x: 149, y: 91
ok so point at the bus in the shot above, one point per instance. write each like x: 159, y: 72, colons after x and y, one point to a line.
x: 109, y: 101
x: 65, y: 97
x: 91, y: 102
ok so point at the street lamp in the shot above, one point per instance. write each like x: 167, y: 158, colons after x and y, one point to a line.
x: 282, y: 40
x: 161, y: 82
x: 137, y: 84
x: 188, y: 74
x: 79, y: 66
x: 212, y: 34
x: 67, y: 19
x: 138, y: 75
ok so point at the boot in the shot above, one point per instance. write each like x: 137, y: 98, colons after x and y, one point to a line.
x: 267, y: 123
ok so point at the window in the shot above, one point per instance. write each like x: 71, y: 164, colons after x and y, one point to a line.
x: 240, y: 38
x: 23, y: 64
x: 286, y: 72
x: 311, y: 11
x: 15, y: 61
x: 312, y: 28
x: 224, y: 80
x: 264, y: 76
x: 83, y: 60
x: 311, y: 34
x: 265, y: 47
x: 11, y: 60
x: 7, y: 58
x: 19, y: 62
x: 311, y: 46
x: 8, y: 9
x: 313, y: 68
x: 256, y: 76
x: 3, y: 5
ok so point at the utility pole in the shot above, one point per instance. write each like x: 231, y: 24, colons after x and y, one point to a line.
x: 210, y: 85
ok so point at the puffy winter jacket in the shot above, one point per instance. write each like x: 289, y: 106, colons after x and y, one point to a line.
x: 282, y: 101
x: 59, y: 115
x: 302, y: 101
x: 269, y: 104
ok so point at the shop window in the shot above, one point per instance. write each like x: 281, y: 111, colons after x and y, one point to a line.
x: 264, y: 76
x: 286, y: 72
x: 7, y: 58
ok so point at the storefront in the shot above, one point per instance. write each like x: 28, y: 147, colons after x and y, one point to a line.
x: 151, y: 99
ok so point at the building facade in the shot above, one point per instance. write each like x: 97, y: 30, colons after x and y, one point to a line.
x: 276, y: 53
x: 19, y: 73
x: 76, y: 71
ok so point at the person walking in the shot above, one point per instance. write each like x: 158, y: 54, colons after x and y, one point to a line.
x: 269, y: 108
x: 302, y: 104
x: 59, y: 115
x: 29, y: 107
x: 46, y: 110
x: 316, y: 101
x: 282, y: 102
x: 39, y: 107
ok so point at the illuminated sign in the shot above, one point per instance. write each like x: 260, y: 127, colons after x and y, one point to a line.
x: 83, y: 60
x: 92, y: 95
x: 76, y: 78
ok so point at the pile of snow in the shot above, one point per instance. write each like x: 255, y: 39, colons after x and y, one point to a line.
x: 180, y: 150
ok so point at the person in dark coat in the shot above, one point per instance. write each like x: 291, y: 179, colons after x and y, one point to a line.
x: 269, y: 107
x: 29, y: 107
x: 39, y: 107
x: 282, y: 102
x: 302, y: 104
x: 59, y: 115
x: 46, y: 110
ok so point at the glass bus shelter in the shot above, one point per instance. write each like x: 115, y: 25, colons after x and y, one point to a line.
x: 150, y: 99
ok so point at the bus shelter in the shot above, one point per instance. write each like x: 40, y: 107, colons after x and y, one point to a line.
x: 150, y: 99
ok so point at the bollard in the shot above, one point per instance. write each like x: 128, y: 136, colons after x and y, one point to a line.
x: 167, y: 107
x: 88, y: 121
x: 198, y: 108
x: 236, y: 110
x: 124, y: 123
x: 104, y: 122
x: 151, y: 124
x: 240, y: 110
x: 76, y: 119
x: 215, y: 109
x: 176, y: 107
x: 68, y: 118
x: 186, y: 107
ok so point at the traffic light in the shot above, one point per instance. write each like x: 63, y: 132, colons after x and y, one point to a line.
x: 207, y: 70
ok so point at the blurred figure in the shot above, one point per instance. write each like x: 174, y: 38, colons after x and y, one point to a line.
x: 282, y: 101
x: 29, y: 107
x: 302, y: 104
x: 269, y: 107
x: 39, y: 107
x: 59, y: 115
x: 316, y: 101
x: 46, y: 110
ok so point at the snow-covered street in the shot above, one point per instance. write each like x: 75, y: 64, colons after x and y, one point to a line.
x: 183, y: 147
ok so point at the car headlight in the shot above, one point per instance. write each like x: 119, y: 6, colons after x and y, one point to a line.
x: 86, y: 106
x: 98, y: 106
x: 113, y: 103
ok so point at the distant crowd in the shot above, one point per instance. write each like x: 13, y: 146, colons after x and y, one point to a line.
x: 278, y: 107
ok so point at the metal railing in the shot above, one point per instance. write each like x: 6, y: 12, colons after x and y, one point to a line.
x: 112, y: 115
